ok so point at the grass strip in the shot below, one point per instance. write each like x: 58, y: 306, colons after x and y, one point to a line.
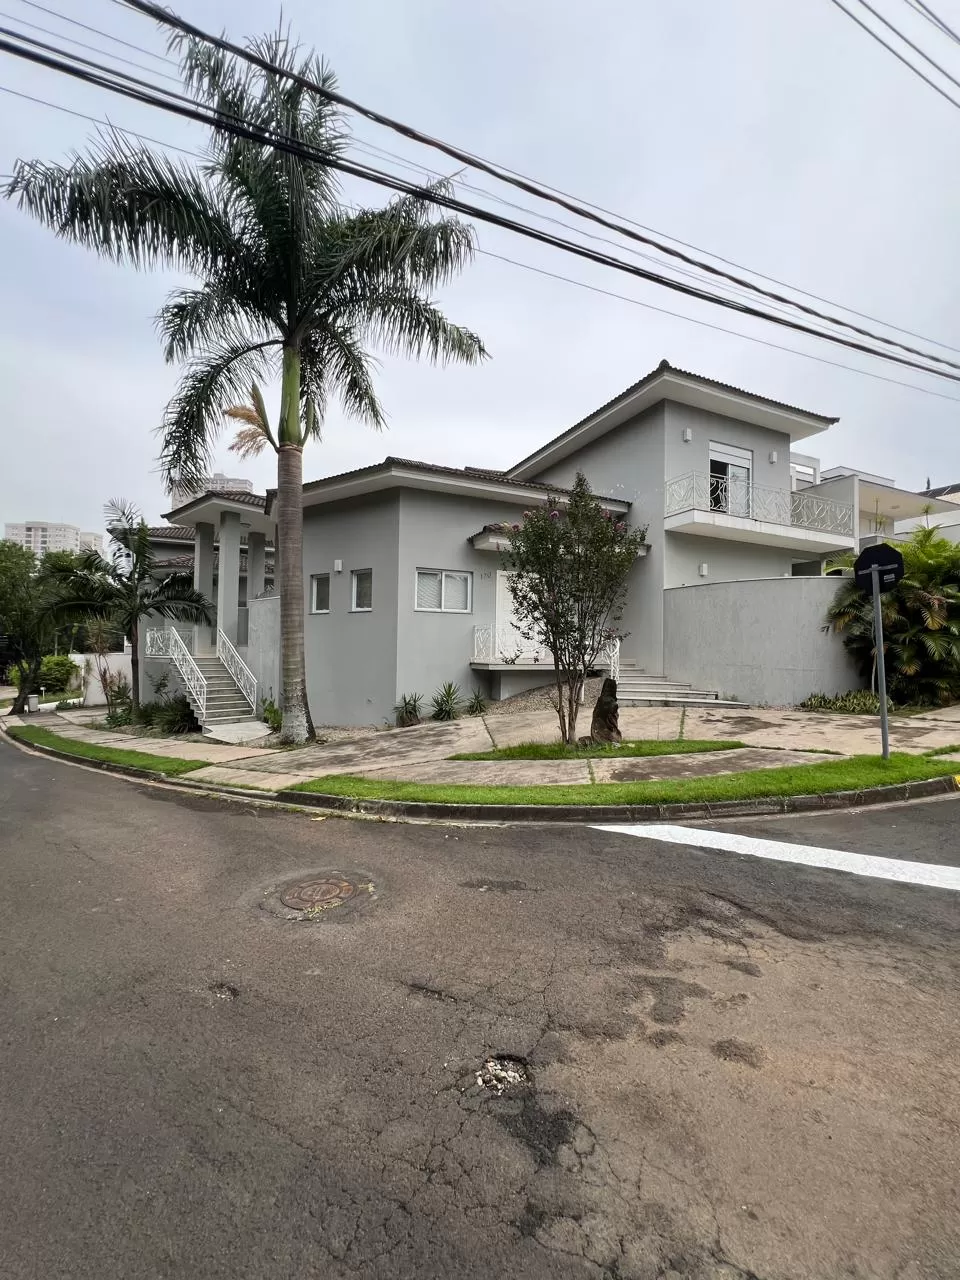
x: 954, y: 749
x: 558, y: 751
x: 854, y: 773
x: 169, y: 765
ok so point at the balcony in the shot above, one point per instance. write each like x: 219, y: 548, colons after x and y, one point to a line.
x: 733, y: 509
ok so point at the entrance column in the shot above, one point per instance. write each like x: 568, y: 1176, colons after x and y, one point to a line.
x: 228, y: 575
x: 203, y: 580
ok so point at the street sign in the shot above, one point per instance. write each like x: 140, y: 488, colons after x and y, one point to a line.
x: 879, y: 569
x: 886, y: 560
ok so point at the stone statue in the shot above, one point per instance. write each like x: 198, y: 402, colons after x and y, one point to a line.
x: 605, y: 725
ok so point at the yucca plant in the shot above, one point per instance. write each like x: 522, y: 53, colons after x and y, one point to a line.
x: 477, y: 704
x: 447, y: 702
x: 407, y: 711
x: 291, y: 282
x: 921, y: 622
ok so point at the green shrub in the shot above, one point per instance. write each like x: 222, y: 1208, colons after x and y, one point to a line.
x: 149, y: 712
x: 407, y: 711
x: 477, y: 704
x: 176, y: 715
x: 447, y: 702
x: 119, y: 716
x: 271, y: 714
x: 858, y: 702
x: 57, y: 673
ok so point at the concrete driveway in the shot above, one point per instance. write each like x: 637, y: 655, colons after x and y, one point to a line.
x: 737, y: 1068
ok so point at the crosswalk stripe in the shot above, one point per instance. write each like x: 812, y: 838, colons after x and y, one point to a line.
x: 858, y: 864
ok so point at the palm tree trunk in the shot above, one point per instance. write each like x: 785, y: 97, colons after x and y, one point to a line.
x: 297, y: 725
x: 135, y: 672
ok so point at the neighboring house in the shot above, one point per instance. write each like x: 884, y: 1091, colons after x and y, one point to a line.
x: 941, y: 511
x: 40, y: 536
x: 404, y: 586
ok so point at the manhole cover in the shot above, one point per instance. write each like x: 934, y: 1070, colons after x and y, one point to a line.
x: 318, y: 893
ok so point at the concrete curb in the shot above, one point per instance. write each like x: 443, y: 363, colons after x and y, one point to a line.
x: 581, y: 813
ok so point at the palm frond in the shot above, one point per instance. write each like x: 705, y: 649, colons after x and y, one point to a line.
x: 128, y: 204
x: 211, y: 384
x: 403, y: 323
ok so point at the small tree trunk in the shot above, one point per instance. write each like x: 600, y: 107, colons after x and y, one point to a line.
x: 561, y: 709
x: 573, y: 709
x: 135, y: 672
x: 28, y: 679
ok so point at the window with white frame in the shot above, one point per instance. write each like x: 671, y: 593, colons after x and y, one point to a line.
x: 444, y: 591
x: 731, y: 470
x: 361, y: 599
x: 320, y: 593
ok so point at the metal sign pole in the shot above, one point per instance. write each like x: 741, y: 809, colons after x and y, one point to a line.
x: 881, y: 665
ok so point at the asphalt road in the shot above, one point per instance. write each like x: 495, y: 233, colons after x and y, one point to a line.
x: 739, y: 1069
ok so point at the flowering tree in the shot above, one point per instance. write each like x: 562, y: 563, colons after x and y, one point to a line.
x: 569, y: 584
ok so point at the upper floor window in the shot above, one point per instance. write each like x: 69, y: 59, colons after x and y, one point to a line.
x: 320, y: 593
x: 731, y: 471
x: 444, y: 591
x: 361, y: 600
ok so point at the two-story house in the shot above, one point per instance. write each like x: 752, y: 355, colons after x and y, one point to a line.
x: 404, y: 585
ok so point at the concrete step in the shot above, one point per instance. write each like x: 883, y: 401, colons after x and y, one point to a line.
x: 674, y: 700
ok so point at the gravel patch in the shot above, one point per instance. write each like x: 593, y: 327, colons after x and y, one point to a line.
x: 541, y: 699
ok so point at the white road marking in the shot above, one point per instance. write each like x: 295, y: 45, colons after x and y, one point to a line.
x: 858, y: 864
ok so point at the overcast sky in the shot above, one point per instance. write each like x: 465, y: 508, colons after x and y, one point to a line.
x: 774, y: 133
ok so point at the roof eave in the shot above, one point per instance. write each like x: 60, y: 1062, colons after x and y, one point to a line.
x: 681, y: 388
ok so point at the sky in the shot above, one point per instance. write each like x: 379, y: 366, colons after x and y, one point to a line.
x: 776, y: 135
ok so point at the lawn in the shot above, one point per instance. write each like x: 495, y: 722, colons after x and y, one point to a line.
x: 168, y: 765
x: 851, y: 774
x: 597, y: 751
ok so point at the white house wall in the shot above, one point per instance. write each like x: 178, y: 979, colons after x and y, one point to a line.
x: 628, y: 463
x: 726, y: 560
x: 681, y: 457
x: 263, y: 646
x: 762, y: 641
x: 434, y: 528
x: 351, y: 657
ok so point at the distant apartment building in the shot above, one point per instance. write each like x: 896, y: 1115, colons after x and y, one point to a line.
x: 217, y: 483
x: 40, y: 536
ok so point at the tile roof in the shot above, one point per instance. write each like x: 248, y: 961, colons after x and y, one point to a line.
x: 432, y: 468
x: 942, y: 491
x: 170, y: 532
x: 666, y: 367
x: 186, y: 562
x: 245, y: 499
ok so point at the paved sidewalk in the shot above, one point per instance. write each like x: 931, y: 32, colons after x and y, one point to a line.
x: 422, y: 754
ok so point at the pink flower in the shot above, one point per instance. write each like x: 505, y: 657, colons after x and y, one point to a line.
x: 619, y: 526
x: 554, y: 515
x: 526, y: 515
x: 515, y: 528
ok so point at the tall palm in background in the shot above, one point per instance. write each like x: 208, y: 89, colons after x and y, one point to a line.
x: 126, y: 587
x: 293, y: 283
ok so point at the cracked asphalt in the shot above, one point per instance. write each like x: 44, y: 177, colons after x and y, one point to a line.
x: 741, y: 1070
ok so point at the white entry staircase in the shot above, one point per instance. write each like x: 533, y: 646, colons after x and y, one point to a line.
x: 637, y: 689
x: 221, y: 687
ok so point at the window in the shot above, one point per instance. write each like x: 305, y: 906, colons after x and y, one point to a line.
x: 320, y: 593
x: 444, y: 591
x: 730, y: 473
x: 362, y: 590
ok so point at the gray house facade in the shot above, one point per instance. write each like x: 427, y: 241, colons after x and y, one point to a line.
x: 404, y: 586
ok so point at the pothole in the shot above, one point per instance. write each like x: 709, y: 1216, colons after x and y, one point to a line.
x: 320, y: 894
x: 504, y: 1074
x: 225, y: 990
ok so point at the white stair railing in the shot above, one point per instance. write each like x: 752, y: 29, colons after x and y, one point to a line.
x: 190, y: 673
x: 241, y: 674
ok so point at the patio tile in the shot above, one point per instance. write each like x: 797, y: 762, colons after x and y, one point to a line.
x: 247, y: 778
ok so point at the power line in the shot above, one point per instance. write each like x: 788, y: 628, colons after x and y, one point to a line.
x: 641, y: 226
x: 706, y: 324
x: 104, y: 53
x: 55, y: 13
x: 925, y: 11
x: 166, y: 18
x: 875, y: 35
x: 910, y: 44
x: 525, y: 266
x: 223, y: 122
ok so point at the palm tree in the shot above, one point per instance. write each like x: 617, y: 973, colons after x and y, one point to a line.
x: 292, y: 281
x: 921, y: 622
x: 127, y: 587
